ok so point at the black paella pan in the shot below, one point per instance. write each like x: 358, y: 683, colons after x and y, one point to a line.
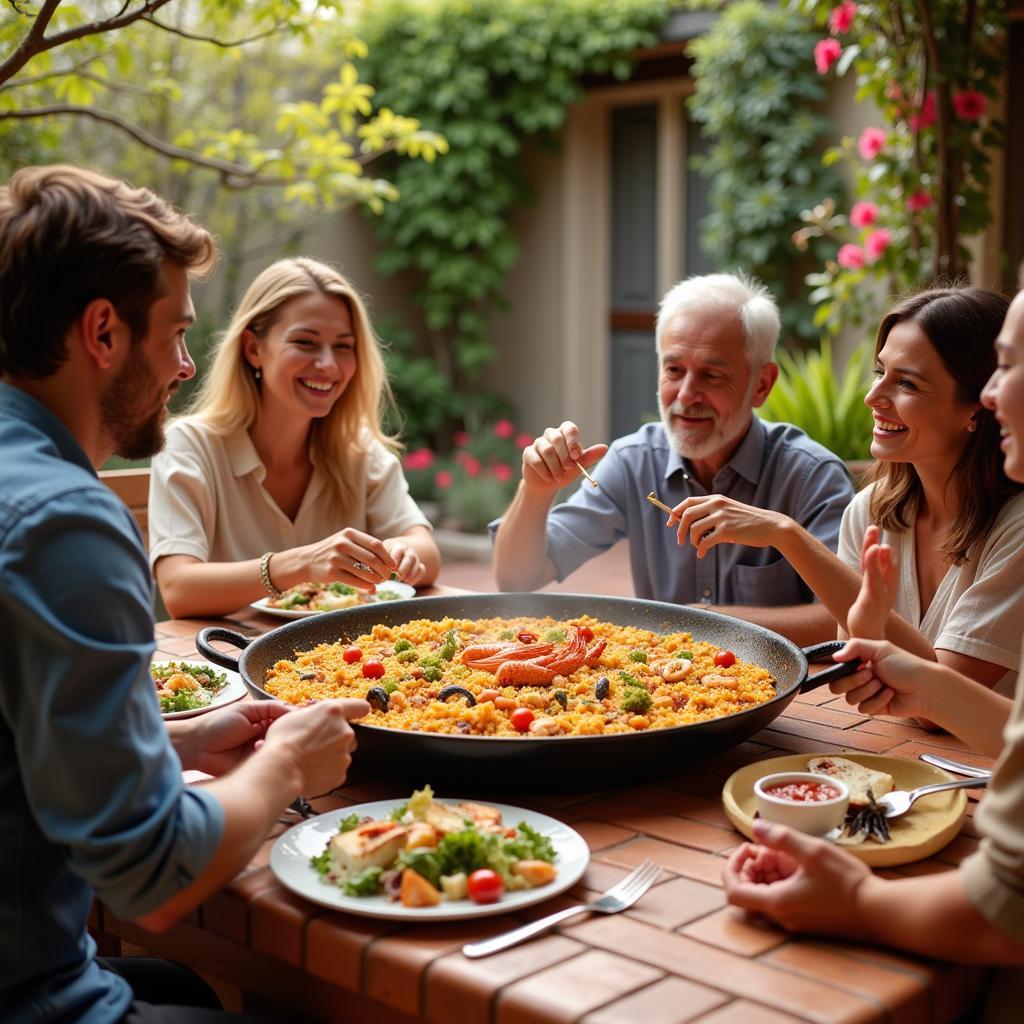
x: 572, y: 762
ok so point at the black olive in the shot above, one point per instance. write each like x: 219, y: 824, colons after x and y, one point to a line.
x: 307, y: 675
x: 457, y: 691
x: 377, y: 697
x: 563, y: 698
x: 602, y: 688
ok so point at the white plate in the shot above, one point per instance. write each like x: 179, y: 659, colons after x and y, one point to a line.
x: 289, y: 860
x: 403, y: 590
x: 234, y: 690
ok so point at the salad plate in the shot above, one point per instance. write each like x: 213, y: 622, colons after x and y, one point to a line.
x: 234, y: 689
x: 290, y: 861
x: 388, y: 590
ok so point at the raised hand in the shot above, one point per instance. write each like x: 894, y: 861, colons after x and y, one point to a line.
x: 892, y: 681
x: 713, y: 519
x: 410, y: 568
x: 348, y: 556
x: 870, y: 611
x: 549, y: 464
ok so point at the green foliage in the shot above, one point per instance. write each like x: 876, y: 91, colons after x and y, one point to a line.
x: 828, y: 408
x: 489, y: 75
x: 757, y: 96
x: 930, y: 181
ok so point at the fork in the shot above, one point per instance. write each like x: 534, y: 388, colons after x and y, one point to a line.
x: 898, y: 802
x: 619, y: 897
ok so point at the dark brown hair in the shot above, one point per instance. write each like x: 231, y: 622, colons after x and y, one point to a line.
x: 69, y: 236
x: 962, y: 325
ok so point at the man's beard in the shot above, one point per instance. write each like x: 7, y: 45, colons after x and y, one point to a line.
x: 698, y: 443
x: 134, y: 432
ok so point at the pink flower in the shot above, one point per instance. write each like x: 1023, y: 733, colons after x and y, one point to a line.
x: 504, y: 429
x: 841, y: 18
x: 920, y: 200
x: 502, y: 472
x: 876, y: 243
x: 523, y: 440
x: 969, y: 104
x: 461, y: 438
x: 851, y: 257
x: 443, y: 479
x: 925, y: 117
x: 871, y: 143
x: 471, y: 466
x: 421, y: 458
x: 863, y: 215
x: 826, y: 53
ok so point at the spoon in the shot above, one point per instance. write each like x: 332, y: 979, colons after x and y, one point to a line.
x: 899, y: 801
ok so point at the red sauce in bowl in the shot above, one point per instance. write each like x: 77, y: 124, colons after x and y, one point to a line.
x: 802, y: 792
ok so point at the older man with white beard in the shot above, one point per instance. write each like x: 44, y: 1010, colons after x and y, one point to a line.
x: 716, y: 337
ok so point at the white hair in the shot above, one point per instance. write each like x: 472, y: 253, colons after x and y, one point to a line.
x: 727, y: 294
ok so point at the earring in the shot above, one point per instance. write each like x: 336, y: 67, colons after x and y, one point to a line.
x: 256, y: 373
x: 972, y: 427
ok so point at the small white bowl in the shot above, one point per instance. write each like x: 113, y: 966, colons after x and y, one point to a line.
x: 815, y: 817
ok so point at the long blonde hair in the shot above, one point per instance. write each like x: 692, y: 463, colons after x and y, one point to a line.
x: 228, y: 398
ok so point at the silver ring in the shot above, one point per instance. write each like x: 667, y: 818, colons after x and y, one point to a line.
x: 362, y: 567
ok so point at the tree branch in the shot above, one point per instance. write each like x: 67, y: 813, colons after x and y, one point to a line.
x: 224, y: 44
x: 36, y: 41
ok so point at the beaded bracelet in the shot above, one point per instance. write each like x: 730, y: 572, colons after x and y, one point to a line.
x: 268, y: 585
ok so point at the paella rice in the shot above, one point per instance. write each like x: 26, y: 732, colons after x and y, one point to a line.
x: 525, y: 676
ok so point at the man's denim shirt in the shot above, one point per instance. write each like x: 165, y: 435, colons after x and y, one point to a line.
x: 91, y: 795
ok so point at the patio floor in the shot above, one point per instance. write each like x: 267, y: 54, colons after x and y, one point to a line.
x: 606, y: 574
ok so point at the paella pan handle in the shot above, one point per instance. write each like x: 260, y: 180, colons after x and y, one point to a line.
x: 824, y: 652
x: 208, y: 651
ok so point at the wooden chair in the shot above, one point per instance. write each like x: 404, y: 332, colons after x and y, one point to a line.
x: 132, y: 487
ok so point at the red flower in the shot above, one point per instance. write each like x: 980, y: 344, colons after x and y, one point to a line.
x: 851, y: 257
x: 421, y: 458
x: 876, y: 243
x: 920, y: 200
x: 443, y: 479
x: 523, y: 440
x: 504, y: 429
x: 502, y: 472
x: 471, y: 466
x: 925, y: 117
x: 969, y: 104
x: 863, y: 215
x: 871, y: 143
x: 826, y: 53
x: 461, y: 438
x: 841, y: 18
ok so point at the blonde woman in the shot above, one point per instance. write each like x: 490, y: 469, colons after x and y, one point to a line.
x: 281, y: 473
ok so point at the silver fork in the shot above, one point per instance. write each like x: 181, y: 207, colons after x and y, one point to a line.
x: 898, y: 801
x: 619, y: 897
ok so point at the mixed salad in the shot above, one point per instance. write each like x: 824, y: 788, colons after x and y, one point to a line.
x: 328, y: 597
x: 427, y: 851
x: 181, y: 686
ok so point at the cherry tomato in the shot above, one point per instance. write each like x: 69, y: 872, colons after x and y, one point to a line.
x: 521, y: 719
x: 723, y: 659
x: 586, y: 634
x: 352, y: 654
x: 485, y: 886
x: 372, y: 670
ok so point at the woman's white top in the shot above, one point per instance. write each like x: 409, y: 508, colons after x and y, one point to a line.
x: 978, y: 608
x: 206, y: 499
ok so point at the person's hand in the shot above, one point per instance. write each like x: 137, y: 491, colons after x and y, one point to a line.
x: 348, y: 556
x: 891, y: 682
x: 549, y: 464
x: 801, y: 883
x: 870, y: 612
x: 714, y: 519
x: 318, y: 742
x: 410, y: 569
x: 219, y: 740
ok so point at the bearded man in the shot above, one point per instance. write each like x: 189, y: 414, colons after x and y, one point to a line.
x: 715, y: 337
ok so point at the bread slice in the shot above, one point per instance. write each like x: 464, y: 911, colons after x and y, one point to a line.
x: 372, y: 844
x: 857, y: 778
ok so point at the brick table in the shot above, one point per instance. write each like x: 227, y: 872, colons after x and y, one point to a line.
x: 680, y: 954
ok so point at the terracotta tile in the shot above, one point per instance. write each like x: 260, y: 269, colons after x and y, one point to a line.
x: 680, y: 955
x: 736, y: 932
x: 942, y: 743
x: 904, y: 996
x: 791, y: 744
x: 699, y: 808
x: 669, y: 1001
x: 600, y: 875
x: 899, y: 731
x: 677, y: 902
x: 600, y: 834
x: 227, y: 912
x: 180, y: 627
x: 366, y: 791
x: 337, y: 943
x: 662, y: 824
x: 832, y: 715
x: 822, y: 695
x: 704, y: 867
x: 394, y: 965
x: 180, y: 647
x: 568, y: 990
x: 850, y: 738
x: 277, y: 924
x: 743, y: 1012
x: 461, y: 990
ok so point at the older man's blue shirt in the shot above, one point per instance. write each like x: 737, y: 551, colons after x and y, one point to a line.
x: 91, y: 795
x: 776, y: 466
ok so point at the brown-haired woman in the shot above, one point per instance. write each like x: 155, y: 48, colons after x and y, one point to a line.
x: 939, y: 495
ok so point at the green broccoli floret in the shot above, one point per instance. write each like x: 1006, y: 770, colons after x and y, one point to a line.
x: 432, y: 674
x: 638, y: 656
x: 402, y: 645
x: 629, y: 680
x: 636, y: 700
